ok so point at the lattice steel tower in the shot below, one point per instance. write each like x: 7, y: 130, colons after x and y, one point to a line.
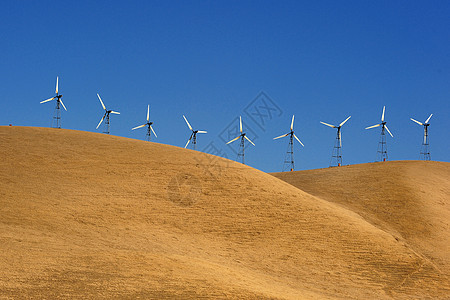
x: 242, y: 137
x: 336, y: 154
x: 382, y: 147
x: 149, y: 124
x: 56, y: 121
x: 289, y: 158
x: 193, y: 135
x: 106, y: 116
x: 425, y: 149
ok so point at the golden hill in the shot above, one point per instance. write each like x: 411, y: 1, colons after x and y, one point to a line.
x: 94, y: 216
x: 408, y: 199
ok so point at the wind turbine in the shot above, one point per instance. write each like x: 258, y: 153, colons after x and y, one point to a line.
x: 57, y: 114
x: 337, y: 149
x: 425, y: 152
x: 243, y: 137
x: 106, y: 115
x: 289, y: 159
x: 193, y: 134
x: 382, y: 149
x: 149, y: 124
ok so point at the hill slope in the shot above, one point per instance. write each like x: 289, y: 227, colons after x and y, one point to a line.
x: 409, y: 199
x: 91, y: 215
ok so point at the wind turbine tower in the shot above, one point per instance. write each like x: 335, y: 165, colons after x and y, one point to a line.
x: 243, y: 137
x: 382, y: 148
x: 336, y: 155
x: 425, y: 151
x: 289, y: 158
x: 193, y: 136
x: 106, y: 116
x: 57, y: 114
x: 149, y: 124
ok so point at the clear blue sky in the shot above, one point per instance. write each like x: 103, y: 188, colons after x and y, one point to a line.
x: 319, y: 60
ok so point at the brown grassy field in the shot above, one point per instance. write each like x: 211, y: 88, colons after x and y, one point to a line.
x: 86, y: 215
x: 408, y: 199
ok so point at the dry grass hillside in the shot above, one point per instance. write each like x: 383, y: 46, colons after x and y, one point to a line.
x: 408, y: 199
x: 88, y: 215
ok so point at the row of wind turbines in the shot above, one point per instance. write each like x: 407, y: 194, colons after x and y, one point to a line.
x: 336, y: 158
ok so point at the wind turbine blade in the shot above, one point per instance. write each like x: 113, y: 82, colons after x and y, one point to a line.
x: 148, y: 112
x: 332, y: 126
x: 188, y: 141
x: 153, y: 130
x: 426, y: 122
x: 292, y: 123
x: 278, y: 137
x: 233, y: 140
x: 249, y: 140
x: 103, y: 105
x: 189, y: 125
x: 50, y: 99
x: 382, y: 115
x: 56, y: 91
x: 388, y: 130
x: 416, y: 121
x: 373, y: 126
x: 140, y: 126
x: 299, y: 140
x: 340, y: 139
x: 240, y: 123
x: 63, y: 104
x: 202, y: 131
x: 115, y: 112
x: 100, y: 121
x: 424, y: 138
x: 344, y: 121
